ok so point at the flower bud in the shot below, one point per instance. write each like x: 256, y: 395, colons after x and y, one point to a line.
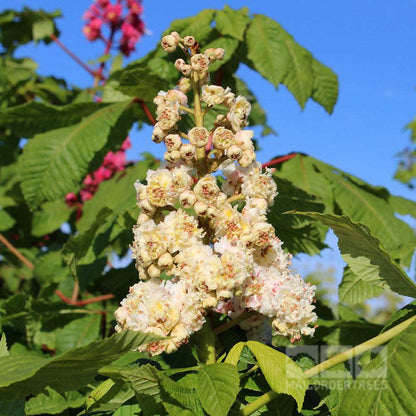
x: 169, y: 43
x: 200, y: 208
x: 176, y: 36
x: 173, y: 142
x: 198, y: 136
x: 179, y: 63
x: 147, y: 207
x: 211, y: 213
x: 187, y: 199
x: 165, y: 260
x: 187, y: 151
x: 247, y: 158
x: 189, y: 41
x: 142, y: 218
x: 200, y: 62
x: 158, y: 134
x: 172, y: 156
x: 184, y: 85
x: 243, y: 139
x: 153, y: 271
x: 219, y: 53
x: 210, y: 54
x: 186, y: 70
x: 234, y: 152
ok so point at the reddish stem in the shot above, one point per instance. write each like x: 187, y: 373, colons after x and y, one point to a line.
x: 75, y: 57
x: 93, y: 300
x: 145, y: 109
x: 279, y: 160
x: 16, y: 252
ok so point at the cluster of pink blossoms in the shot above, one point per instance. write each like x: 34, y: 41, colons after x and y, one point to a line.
x: 202, y: 240
x: 104, y: 13
x: 113, y: 162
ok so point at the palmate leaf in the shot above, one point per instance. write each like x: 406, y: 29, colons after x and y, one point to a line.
x: 364, y: 255
x: 53, y: 163
x: 35, y: 117
x: 49, y: 402
x: 387, y: 385
x: 276, y: 56
x: 24, y: 374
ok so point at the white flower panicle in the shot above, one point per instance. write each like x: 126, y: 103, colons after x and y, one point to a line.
x: 202, y: 240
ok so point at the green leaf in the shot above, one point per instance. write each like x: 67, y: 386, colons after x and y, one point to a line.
x: 128, y: 410
x: 385, y: 386
x: 77, y: 246
x: 185, y: 396
x: 14, y: 407
x: 53, y: 163
x: 123, y: 195
x: 97, y: 394
x: 232, y: 22
x: 42, y: 29
x: 49, y: 402
x: 217, y: 387
x: 402, y: 205
x: 3, y: 346
x: 282, y: 374
x: 139, y: 82
x: 50, y: 218
x: 78, y: 333
x: 35, y: 117
x: 6, y: 220
x: 364, y: 255
x: 354, y: 289
x: 325, y: 86
x: 198, y: 26
x: 277, y: 57
x: 24, y: 374
x: 145, y: 382
x: 233, y: 357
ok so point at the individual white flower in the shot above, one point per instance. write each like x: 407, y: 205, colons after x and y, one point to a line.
x: 198, y: 136
x: 173, y: 142
x: 260, y: 186
x: 222, y: 138
x: 212, y: 94
x: 206, y: 189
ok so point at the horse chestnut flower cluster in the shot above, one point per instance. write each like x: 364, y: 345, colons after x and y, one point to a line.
x: 202, y: 240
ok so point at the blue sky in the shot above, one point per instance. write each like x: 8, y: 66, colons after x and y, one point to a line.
x: 369, y: 44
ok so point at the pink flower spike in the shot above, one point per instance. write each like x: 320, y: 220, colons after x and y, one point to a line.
x: 113, y: 12
x: 126, y: 144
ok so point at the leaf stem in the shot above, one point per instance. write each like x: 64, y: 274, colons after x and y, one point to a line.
x: 75, y: 57
x: 333, y: 361
x: 16, y: 252
x: 279, y: 160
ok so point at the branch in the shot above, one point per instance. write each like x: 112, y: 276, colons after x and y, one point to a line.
x: 75, y: 58
x: 279, y: 160
x: 146, y: 110
x: 16, y: 252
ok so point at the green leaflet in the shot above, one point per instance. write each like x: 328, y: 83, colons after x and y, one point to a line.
x: 386, y: 386
x: 34, y: 117
x: 53, y: 163
x: 364, y: 255
x: 24, y: 374
x: 278, y: 58
x: 232, y: 22
x: 282, y: 374
x: 217, y: 387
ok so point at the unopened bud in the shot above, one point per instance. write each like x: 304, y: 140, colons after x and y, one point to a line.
x: 169, y: 43
x: 187, y: 199
x: 188, y: 151
x: 153, y: 271
x: 219, y: 53
x: 184, y: 85
x: 200, y: 208
x: 165, y: 260
x: 222, y: 138
x: 147, y: 207
x: 172, y: 156
x: 234, y: 152
x: 247, y: 158
x: 179, y: 63
x: 176, y: 35
x: 142, y: 218
x: 173, y: 142
x: 186, y: 70
x: 189, y: 41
